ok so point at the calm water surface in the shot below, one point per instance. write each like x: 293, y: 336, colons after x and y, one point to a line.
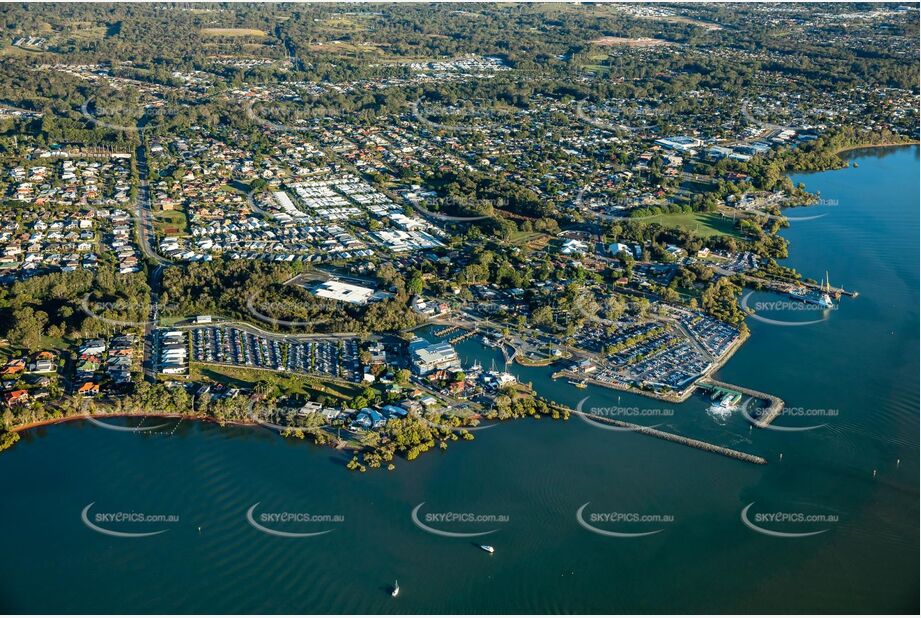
x: 861, y: 363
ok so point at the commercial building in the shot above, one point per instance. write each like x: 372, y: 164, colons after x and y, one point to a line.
x: 344, y: 292
x: 428, y: 357
x: 681, y: 143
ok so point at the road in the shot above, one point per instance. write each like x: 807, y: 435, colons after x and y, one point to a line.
x: 144, y: 220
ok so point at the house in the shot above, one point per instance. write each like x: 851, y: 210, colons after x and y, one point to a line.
x: 88, y: 389
x: 676, y: 252
x: 14, y: 367
x: 42, y: 366
x: 93, y: 346
x: 369, y: 418
x: 89, y: 364
x: 16, y: 397
x: 311, y: 407
x: 394, y: 411
x: 572, y: 246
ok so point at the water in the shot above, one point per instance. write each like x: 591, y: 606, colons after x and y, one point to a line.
x: 862, y: 362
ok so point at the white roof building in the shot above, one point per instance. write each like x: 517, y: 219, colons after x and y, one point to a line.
x: 344, y: 292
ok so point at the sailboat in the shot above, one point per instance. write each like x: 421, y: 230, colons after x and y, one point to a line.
x: 396, y: 588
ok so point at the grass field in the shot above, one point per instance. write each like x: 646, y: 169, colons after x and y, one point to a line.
x: 704, y: 224
x: 231, y: 32
x: 170, y: 223
x: 346, y: 47
x: 246, y: 377
x: 522, y: 238
x: 611, y: 41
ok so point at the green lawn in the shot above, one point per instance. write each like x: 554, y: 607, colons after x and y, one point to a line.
x: 246, y: 377
x: 172, y: 320
x: 521, y: 238
x: 170, y: 223
x: 704, y: 224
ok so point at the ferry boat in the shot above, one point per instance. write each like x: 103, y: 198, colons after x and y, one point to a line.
x: 579, y: 384
x: 726, y: 405
x: 489, y: 549
x: 821, y: 297
x: 396, y: 588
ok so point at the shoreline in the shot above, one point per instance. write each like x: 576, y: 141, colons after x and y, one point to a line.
x: 84, y: 417
x: 844, y: 149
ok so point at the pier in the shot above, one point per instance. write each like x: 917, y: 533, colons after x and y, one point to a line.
x: 785, y: 286
x: 672, y: 437
x: 446, y: 330
x: 464, y: 335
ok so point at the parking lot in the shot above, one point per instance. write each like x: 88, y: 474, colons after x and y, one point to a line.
x: 337, y: 358
x: 229, y: 345
x: 674, y: 368
x: 715, y: 336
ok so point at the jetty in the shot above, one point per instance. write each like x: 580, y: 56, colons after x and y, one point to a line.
x: 785, y: 286
x: 446, y: 330
x: 464, y: 335
x: 672, y: 437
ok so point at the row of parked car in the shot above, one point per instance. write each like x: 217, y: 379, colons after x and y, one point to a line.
x: 338, y: 358
x: 232, y: 346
